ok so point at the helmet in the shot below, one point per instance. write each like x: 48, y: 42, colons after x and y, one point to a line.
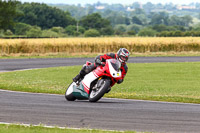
x: 123, y: 55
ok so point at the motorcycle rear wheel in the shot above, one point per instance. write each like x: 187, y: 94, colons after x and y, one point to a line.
x: 95, y: 95
x: 68, y: 94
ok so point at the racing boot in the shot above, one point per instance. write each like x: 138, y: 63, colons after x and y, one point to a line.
x: 85, y: 70
x: 77, y: 78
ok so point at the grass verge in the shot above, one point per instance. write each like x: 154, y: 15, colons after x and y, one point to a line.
x: 14, y: 128
x: 49, y: 55
x: 173, y: 82
x: 85, y: 55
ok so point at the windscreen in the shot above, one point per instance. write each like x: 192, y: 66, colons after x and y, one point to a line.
x: 115, y: 64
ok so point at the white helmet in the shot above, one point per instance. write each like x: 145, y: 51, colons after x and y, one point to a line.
x: 123, y: 55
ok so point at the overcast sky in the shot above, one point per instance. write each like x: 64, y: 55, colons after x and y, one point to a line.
x: 111, y: 1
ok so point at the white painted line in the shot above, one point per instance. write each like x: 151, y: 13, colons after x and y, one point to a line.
x: 148, y: 101
x: 29, y: 92
x: 42, y: 125
x: 28, y: 125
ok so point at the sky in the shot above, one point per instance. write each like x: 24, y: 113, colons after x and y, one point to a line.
x: 83, y: 2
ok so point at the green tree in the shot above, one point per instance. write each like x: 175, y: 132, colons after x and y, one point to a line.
x: 136, y: 20
x: 8, y: 32
x: 49, y: 33
x: 138, y: 11
x: 58, y: 30
x: 92, y: 33
x: 178, y: 33
x: 120, y: 27
x: 7, y: 13
x: 44, y: 16
x: 196, y: 27
x: 188, y: 33
x: 160, y: 28
x: 22, y: 28
x: 160, y: 18
x: 94, y: 21
x: 90, y: 10
x: 163, y: 34
x: 135, y: 5
x: 131, y: 32
x: 1, y: 33
x: 122, y: 20
x: 148, y: 7
x: 74, y: 30
x: 115, y: 17
x: 107, y: 30
x: 175, y: 20
x: 118, y: 19
x: 147, y: 32
x: 35, y: 31
x: 134, y: 27
x: 81, y: 29
x: 76, y: 11
x: 186, y: 20
x: 177, y: 27
x: 180, y: 21
x: 71, y: 29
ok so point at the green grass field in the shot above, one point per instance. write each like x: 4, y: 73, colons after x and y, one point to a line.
x: 174, y: 82
x: 85, y: 55
x: 40, y: 129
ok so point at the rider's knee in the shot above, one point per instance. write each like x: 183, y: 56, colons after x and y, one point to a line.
x: 88, y: 69
x: 85, y: 69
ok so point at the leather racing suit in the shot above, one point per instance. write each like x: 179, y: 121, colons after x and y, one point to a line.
x: 87, y: 69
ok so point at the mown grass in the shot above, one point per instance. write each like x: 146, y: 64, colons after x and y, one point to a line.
x: 173, y: 82
x: 50, y: 55
x: 87, y: 55
x: 40, y: 129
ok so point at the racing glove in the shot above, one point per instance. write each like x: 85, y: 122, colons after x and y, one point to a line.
x: 98, y: 61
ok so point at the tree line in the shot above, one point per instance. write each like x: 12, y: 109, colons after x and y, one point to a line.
x: 41, y: 20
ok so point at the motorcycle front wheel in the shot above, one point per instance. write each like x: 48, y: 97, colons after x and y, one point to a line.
x: 97, y: 93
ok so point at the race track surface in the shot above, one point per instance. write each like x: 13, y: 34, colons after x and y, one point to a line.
x: 111, y: 114
x: 20, y: 64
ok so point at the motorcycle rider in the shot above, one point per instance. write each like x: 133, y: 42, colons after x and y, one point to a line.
x: 122, y: 55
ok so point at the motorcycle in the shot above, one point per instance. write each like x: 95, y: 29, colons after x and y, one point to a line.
x: 96, y: 83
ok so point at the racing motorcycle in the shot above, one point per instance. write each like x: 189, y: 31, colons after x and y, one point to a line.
x: 96, y: 83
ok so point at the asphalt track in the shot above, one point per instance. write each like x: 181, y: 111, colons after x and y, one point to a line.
x: 111, y: 114
x: 21, y: 64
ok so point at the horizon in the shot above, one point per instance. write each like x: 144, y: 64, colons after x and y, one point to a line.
x: 124, y: 2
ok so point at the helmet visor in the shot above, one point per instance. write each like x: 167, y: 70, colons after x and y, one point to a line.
x: 123, y: 58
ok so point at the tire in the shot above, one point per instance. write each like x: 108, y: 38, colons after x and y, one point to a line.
x: 96, y: 95
x: 68, y: 93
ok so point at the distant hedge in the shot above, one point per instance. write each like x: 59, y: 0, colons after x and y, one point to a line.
x: 178, y: 34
